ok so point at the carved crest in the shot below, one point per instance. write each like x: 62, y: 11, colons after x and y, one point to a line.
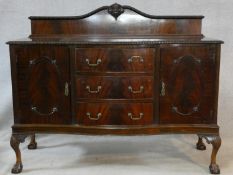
x: 115, y: 10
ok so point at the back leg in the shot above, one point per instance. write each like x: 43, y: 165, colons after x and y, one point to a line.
x: 32, y: 144
x: 200, y: 145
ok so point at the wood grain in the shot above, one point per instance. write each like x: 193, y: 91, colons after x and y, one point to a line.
x: 40, y: 84
x: 115, y: 59
x: 114, y: 113
x: 188, y: 74
x: 108, y: 87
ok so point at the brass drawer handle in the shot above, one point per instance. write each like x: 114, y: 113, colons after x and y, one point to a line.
x: 94, y: 91
x: 93, y: 118
x: 141, y: 59
x: 134, y: 117
x: 94, y: 64
x: 34, y: 109
x: 136, y: 92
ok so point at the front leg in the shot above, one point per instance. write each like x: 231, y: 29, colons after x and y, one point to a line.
x: 16, y: 139
x: 32, y: 144
x: 215, y: 140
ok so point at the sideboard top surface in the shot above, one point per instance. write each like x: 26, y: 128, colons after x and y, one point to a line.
x: 115, y: 24
x: 112, y: 40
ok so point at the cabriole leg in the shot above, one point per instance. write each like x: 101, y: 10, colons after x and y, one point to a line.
x: 16, y: 139
x: 200, y: 145
x: 215, y: 140
x: 32, y: 144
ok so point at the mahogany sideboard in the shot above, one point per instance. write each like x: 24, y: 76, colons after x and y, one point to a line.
x: 118, y: 71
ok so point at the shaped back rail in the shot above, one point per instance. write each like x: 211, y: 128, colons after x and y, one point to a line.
x: 116, y: 20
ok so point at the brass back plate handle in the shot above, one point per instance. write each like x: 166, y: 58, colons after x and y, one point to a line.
x: 93, y: 118
x: 134, y: 117
x: 141, y: 59
x: 136, y: 92
x: 93, y: 64
x: 94, y: 91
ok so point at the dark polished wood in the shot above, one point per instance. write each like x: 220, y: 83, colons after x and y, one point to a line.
x: 128, y: 87
x: 128, y: 21
x: 33, y: 143
x: 114, y: 113
x: 114, y: 59
x: 215, y: 140
x: 41, y: 73
x: 119, y: 71
x: 118, y: 129
x: 188, y: 74
x: 16, y: 139
x: 200, y: 144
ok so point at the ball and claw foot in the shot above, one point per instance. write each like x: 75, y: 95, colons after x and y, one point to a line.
x: 32, y: 145
x: 200, y: 145
x: 214, y: 169
x: 17, y: 168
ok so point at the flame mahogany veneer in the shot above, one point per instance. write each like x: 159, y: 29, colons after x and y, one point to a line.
x: 119, y: 71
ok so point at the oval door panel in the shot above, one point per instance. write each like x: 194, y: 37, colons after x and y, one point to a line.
x: 185, y: 85
x: 44, y: 86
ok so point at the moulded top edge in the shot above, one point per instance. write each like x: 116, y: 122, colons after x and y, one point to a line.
x: 115, y: 10
x: 80, y: 17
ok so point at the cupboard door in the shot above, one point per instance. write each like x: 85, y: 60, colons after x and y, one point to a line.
x: 188, y: 75
x: 42, y: 84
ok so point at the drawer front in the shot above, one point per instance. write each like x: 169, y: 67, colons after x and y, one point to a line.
x: 114, y: 87
x: 114, y: 59
x: 114, y: 113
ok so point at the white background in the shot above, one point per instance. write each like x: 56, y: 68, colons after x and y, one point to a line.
x: 65, y: 154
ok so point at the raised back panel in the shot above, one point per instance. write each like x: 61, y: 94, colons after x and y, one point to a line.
x: 117, y: 20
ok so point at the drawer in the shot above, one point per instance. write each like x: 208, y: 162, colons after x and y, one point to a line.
x: 114, y: 113
x: 114, y: 59
x: 113, y: 87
